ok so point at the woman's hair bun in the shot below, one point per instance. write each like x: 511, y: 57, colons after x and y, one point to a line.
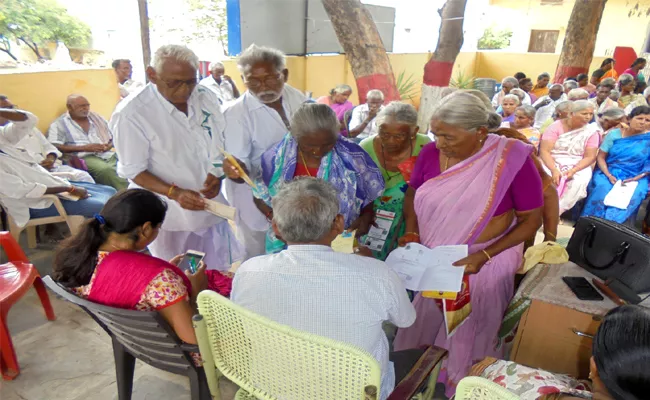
x: 494, y: 121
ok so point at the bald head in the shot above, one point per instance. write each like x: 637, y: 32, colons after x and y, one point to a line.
x: 78, y: 106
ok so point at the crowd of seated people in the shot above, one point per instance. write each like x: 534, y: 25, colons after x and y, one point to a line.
x: 497, y: 170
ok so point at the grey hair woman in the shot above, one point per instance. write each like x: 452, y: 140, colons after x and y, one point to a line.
x: 394, y: 149
x: 338, y: 101
x: 611, y: 118
x: 508, y: 106
x: 314, y: 148
x: 569, y: 148
x: 578, y: 94
x: 462, y: 191
x: 626, y: 85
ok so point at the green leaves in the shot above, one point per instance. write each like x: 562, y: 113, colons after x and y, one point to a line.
x: 406, y: 86
x: 494, y: 39
x: 462, y: 81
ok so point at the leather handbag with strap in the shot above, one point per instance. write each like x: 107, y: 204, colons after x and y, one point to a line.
x: 612, y: 251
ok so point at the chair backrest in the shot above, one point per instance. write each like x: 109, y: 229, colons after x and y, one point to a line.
x: 475, y: 388
x: 272, y: 361
x: 347, y: 117
x: 12, y: 248
x: 146, y: 335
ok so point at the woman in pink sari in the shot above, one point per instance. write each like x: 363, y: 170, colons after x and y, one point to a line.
x: 482, y: 190
x: 338, y: 101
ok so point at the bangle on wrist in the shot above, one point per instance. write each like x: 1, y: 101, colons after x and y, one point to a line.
x: 72, y: 189
x: 171, y: 190
x: 487, y: 255
x: 269, y: 215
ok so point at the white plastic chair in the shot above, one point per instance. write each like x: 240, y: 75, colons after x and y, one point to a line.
x: 73, y: 222
x: 475, y: 388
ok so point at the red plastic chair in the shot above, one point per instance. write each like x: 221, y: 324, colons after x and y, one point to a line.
x: 16, y: 277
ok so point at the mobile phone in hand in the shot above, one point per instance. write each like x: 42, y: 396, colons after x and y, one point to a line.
x: 191, y: 261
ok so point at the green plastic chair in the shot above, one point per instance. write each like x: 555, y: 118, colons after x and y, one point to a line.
x: 269, y: 361
x: 475, y: 388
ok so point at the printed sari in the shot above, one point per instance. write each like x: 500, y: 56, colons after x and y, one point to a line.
x: 454, y: 208
x: 627, y: 158
x: 354, y: 175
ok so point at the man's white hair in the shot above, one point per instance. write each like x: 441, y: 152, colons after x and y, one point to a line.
x: 215, y: 64
x: 578, y: 94
x: 174, y: 52
x: 255, y: 54
x: 375, y: 94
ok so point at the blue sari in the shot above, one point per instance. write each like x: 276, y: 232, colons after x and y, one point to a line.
x: 627, y: 158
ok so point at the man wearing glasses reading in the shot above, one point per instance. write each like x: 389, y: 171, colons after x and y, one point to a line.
x: 255, y: 122
x: 167, y: 138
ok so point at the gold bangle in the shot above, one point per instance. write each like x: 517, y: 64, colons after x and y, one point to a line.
x: 171, y: 189
x: 550, y: 234
x: 487, y: 255
x: 412, y: 233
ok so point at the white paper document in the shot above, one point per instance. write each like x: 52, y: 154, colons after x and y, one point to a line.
x: 620, y: 195
x: 422, y: 268
x: 220, y: 210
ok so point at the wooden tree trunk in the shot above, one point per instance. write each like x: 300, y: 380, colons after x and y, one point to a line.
x: 437, y: 71
x: 144, y: 33
x: 358, y: 35
x: 580, y: 39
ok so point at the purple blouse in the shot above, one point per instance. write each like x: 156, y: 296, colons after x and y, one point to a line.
x: 524, y: 194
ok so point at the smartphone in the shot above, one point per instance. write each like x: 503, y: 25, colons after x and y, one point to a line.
x: 582, y: 288
x: 191, y: 260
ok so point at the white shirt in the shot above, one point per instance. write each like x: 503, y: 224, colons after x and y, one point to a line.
x: 128, y: 87
x: 546, y: 112
x: 24, y: 182
x: 497, y: 99
x: 223, y: 90
x: 252, y: 128
x: 64, y: 130
x: 359, y: 114
x: 344, y: 297
x: 152, y: 135
x: 37, y: 146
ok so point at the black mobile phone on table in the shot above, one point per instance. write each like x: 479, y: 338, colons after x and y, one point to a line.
x: 582, y: 288
x: 191, y: 261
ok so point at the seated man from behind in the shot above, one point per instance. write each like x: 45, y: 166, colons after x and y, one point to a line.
x: 345, y: 297
x: 35, y: 144
x: 362, y: 123
x: 85, y: 133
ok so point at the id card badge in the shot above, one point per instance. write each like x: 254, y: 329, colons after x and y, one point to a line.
x: 377, y: 235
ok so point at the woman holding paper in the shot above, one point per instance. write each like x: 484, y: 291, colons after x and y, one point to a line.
x: 394, y: 150
x: 624, y: 156
x: 314, y: 148
x: 482, y: 190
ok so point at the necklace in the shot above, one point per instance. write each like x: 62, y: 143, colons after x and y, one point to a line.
x: 383, y: 156
x: 446, y: 164
x: 302, y: 157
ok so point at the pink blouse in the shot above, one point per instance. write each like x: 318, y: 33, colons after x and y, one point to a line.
x: 556, y: 129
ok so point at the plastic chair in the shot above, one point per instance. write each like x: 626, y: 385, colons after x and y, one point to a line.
x: 475, y: 388
x: 73, y: 222
x: 272, y: 361
x: 16, y: 278
x: 142, y: 335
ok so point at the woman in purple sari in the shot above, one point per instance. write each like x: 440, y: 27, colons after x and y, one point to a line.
x: 338, y: 101
x: 482, y: 190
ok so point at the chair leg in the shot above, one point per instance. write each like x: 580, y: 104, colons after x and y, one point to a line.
x: 8, y: 360
x: 31, y: 237
x: 199, y: 385
x: 45, y: 299
x: 124, y: 368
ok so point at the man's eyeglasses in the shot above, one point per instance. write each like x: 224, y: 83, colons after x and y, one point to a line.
x: 176, y: 83
x: 254, y: 83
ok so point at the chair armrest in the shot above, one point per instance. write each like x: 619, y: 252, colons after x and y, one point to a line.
x: 57, y: 204
x: 193, y: 348
x: 409, y: 386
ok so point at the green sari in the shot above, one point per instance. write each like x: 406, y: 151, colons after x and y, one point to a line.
x: 392, y: 199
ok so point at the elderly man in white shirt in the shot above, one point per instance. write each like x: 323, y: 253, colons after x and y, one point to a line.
x: 36, y: 146
x: 507, y: 84
x: 362, y: 123
x: 545, y: 105
x: 222, y: 85
x: 167, y: 137
x: 254, y: 123
x: 123, y: 71
x: 345, y: 297
x: 25, y: 182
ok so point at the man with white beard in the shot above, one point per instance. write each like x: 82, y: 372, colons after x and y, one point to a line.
x: 254, y: 123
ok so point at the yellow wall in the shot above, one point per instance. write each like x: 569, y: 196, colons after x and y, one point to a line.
x: 44, y: 93
x: 497, y: 65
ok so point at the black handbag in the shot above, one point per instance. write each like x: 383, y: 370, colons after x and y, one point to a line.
x: 612, y: 251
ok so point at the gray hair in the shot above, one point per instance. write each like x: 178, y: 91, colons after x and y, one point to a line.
x: 519, y: 93
x: 612, y: 114
x: 556, y: 85
x: 216, y: 64
x: 342, y: 88
x: 255, y: 54
x: 304, y: 209
x: 466, y: 111
x: 510, y: 79
x: 578, y: 94
x: 625, y: 79
x: 512, y: 97
x: 580, y: 105
x: 312, y: 117
x: 615, y: 93
x: 528, y: 110
x: 570, y: 84
x: 565, y: 106
x: 400, y: 112
x: 174, y: 52
x: 375, y: 94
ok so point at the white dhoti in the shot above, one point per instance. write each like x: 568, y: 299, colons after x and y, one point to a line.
x: 218, y: 242
x: 71, y: 174
x: 251, y: 224
x: 575, y: 189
